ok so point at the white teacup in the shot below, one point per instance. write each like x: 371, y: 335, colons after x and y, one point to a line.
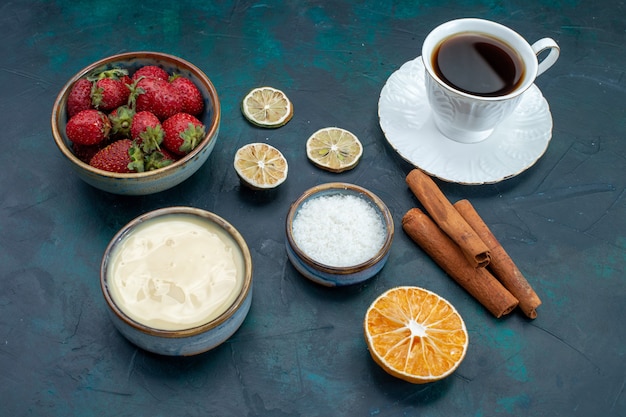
x: 469, y: 117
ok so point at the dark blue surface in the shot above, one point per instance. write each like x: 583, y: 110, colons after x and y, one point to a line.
x: 301, y: 351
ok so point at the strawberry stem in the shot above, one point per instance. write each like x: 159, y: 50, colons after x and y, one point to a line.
x: 191, y: 137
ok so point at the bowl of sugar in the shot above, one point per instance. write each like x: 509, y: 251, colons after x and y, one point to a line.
x: 338, y: 234
x: 177, y: 281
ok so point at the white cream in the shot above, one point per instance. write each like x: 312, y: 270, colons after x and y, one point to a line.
x: 176, y: 272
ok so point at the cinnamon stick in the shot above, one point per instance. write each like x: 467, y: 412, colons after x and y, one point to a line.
x: 501, y: 263
x: 446, y: 216
x: 483, y: 286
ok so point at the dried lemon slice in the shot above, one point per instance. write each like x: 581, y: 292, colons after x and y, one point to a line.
x: 334, y: 149
x: 415, y: 335
x: 267, y: 107
x: 260, y: 166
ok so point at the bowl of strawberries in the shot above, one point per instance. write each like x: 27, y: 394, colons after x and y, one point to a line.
x: 137, y: 123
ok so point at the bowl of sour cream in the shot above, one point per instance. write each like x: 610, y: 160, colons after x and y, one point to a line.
x: 338, y: 234
x: 177, y: 281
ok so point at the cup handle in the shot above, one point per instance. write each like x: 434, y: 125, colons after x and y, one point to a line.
x: 543, y: 45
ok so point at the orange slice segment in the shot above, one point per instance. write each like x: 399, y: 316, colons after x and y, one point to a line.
x: 415, y: 335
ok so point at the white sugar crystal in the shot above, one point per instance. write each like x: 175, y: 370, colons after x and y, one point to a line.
x: 338, y: 230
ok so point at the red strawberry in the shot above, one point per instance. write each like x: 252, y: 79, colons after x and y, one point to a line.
x: 86, y: 152
x: 168, y: 155
x: 141, y: 121
x: 157, y: 96
x: 121, y: 120
x: 146, y: 130
x: 109, y: 93
x: 193, y: 102
x: 114, y: 158
x: 183, y: 132
x: 79, y: 97
x: 150, y: 71
x: 88, y: 127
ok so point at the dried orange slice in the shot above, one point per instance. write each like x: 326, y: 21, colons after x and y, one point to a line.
x: 260, y: 166
x: 415, y: 335
x: 267, y: 107
x: 334, y: 149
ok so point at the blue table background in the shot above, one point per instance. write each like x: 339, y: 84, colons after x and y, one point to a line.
x: 300, y: 351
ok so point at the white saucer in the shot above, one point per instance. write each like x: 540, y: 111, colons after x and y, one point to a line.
x: 514, y: 146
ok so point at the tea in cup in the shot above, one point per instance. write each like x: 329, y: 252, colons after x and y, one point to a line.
x: 476, y: 73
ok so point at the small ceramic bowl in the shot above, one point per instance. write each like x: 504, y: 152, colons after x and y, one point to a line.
x: 330, y: 275
x: 150, y: 182
x: 139, y: 303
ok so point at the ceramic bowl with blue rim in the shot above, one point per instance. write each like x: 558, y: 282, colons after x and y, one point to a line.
x: 177, y: 281
x: 338, y: 234
x: 149, y: 182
